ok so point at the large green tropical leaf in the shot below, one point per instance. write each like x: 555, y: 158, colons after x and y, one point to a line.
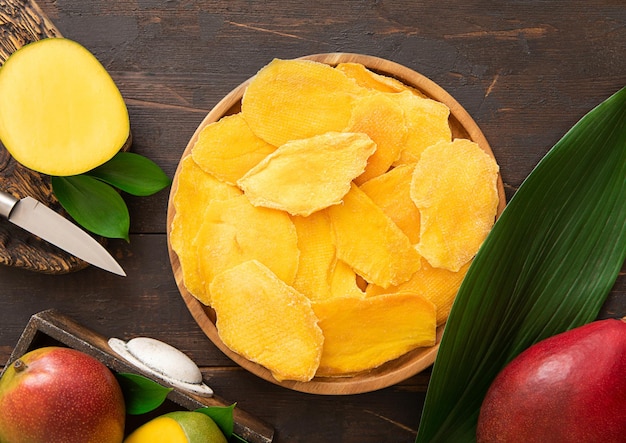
x: 546, y: 267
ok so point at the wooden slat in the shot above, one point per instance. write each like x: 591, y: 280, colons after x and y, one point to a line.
x: 51, y: 328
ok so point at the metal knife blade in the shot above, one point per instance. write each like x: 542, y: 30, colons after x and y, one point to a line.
x: 38, y: 219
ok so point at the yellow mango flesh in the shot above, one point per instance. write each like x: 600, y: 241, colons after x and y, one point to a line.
x: 228, y: 149
x: 454, y: 186
x: 382, y: 120
x: 427, y: 122
x: 294, y: 99
x: 195, y: 190
x: 62, y: 112
x: 438, y: 285
x: 267, y: 321
x: 370, y: 242
x: 178, y: 427
x: 159, y: 430
x: 304, y: 176
x: 391, y: 192
x: 363, y: 333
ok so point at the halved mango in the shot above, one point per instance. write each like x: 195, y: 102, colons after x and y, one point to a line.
x: 304, y: 176
x: 267, y: 321
x: 363, y: 333
x: 62, y: 112
x: 178, y: 427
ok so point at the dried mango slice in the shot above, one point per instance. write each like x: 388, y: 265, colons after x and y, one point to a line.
x: 293, y: 99
x: 391, y: 193
x: 370, y: 242
x: 427, y: 121
x: 369, y: 79
x: 228, y: 148
x: 363, y: 333
x: 454, y: 186
x: 440, y: 286
x: 344, y: 281
x: 267, y: 321
x: 320, y: 274
x: 304, y: 176
x: 195, y: 190
x: 317, y: 255
x: 383, y: 120
x: 234, y: 231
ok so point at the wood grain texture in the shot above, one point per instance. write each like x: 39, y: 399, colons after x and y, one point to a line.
x: 525, y: 71
x: 22, y: 22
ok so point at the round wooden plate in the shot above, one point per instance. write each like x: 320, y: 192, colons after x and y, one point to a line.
x: 392, y: 372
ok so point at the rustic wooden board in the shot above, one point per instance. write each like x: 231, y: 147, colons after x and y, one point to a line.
x: 23, y: 22
x: 392, y: 372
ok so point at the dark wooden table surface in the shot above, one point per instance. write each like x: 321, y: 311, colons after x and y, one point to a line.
x: 525, y: 70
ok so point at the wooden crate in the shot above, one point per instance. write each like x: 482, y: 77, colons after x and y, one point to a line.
x: 51, y: 328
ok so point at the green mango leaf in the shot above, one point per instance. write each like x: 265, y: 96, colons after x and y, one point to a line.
x: 141, y: 394
x: 546, y: 267
x: 222, y: 416
x: 132, y: 173
x: 94, y: 205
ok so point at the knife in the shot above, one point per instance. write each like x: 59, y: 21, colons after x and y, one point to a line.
x: 38, y: 219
